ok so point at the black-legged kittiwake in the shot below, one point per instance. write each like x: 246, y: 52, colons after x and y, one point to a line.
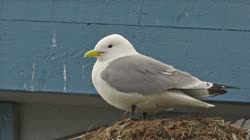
x: 137, y: 83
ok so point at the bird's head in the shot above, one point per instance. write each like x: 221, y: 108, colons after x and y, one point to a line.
x: 112, y: 46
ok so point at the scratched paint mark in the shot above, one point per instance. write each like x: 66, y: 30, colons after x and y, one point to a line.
x: 187, y: 14
x: 33, y: 76
x: 65, y: 77
x: 157, y: 20
x: 54, y: 42
x: 83, y: 77
x: 178, y: 18
x: 24, y: 86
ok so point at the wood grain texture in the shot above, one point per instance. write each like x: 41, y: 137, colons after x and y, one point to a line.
x: 211, y: 14
x: 218, y: 14
x: 8, y: 128
x: 88, y: 11
x: 37, y: 56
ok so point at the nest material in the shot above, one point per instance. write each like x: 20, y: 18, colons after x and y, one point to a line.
x: 169, y: 129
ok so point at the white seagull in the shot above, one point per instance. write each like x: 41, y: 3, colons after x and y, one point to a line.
x: 133, y: 82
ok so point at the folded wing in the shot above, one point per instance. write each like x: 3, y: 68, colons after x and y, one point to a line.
x: 144, y: 75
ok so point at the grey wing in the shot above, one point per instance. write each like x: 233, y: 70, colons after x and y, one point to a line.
x: 144, y: 75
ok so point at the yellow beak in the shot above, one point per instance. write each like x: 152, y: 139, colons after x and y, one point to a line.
x: 92, y: 53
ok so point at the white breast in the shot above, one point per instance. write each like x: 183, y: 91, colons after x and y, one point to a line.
x: 118, y: 99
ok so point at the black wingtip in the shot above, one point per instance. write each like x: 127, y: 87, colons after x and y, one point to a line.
x: 219, y: 86
x: 215, y: 92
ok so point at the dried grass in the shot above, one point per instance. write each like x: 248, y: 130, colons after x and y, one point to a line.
x: 169, y: 129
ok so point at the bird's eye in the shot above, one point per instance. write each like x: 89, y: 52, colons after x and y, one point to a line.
x: 110, y: 46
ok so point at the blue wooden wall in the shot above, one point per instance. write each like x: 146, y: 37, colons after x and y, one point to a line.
x: 42, y: 41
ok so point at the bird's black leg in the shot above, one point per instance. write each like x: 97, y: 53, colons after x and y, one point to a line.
x: 144, y: 115
x: 132, y: 111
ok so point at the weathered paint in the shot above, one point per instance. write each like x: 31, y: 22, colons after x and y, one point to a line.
x: 89, y: 11
x: 213, y: 55
x: 42, y: 42
x: 65, y: 77
x: 218, y: 14
x: 8, y: 124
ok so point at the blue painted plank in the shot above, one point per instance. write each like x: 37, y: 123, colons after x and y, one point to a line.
x: 221, y: 14
x: 8, y: 128
x: 218, y: 14
x: 94, y: 11
x: 38, y: 56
